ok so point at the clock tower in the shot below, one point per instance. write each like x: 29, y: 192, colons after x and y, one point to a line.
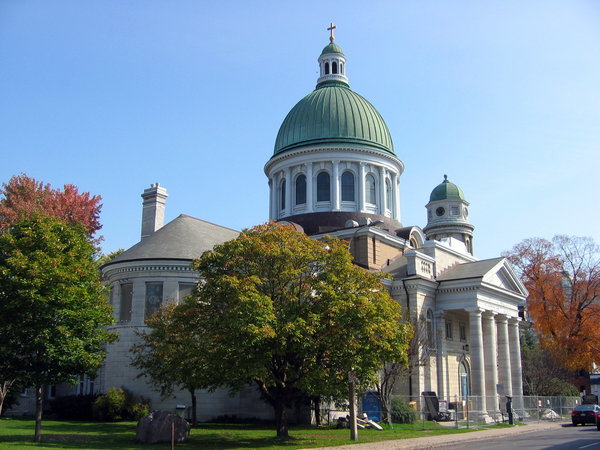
x: 448, y: 217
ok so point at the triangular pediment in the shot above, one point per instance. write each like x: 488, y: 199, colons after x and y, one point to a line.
x: 497, y: 273
x: 504, y: 277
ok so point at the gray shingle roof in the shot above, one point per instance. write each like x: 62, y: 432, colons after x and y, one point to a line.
x: 476, y: 269
x: 184, y: 237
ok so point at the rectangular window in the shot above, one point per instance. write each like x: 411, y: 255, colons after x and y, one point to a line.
x: 448, y: 330
x: 51, y: 391
x: 85, y: 386
x: 185, y: 289
x: 125, y: 302
x: 455, y: 211
x: 463, y: 332
x: 154, y: 297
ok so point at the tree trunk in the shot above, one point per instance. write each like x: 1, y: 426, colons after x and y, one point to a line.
x: 386, y: 405
x: 194, y: 417
x: 317, y: 406
x: 39, y: 397
x: 4, y: 388
x: 281, y: 419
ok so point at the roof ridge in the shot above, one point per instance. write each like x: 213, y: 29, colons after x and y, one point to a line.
x: 199, y: 220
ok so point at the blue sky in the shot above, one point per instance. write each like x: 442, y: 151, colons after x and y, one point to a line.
x: 112, y: 95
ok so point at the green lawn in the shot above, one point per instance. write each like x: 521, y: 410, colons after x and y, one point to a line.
x: 18, y: 433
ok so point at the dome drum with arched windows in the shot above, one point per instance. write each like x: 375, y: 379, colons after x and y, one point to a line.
x: 334, y: 158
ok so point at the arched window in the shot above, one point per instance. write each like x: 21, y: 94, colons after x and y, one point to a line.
x: 342, y: 68
x: 347, y: 186
x: 326, y: 68
x: 370, y: 189
x: 430, y: 329
x: 283, y: 194
x: 301, y: 190
x: 388, y: 194
x: 463, y: 373
x: 323, y: 187
x: 334, y: 67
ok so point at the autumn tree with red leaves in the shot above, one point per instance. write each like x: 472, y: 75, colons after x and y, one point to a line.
x: 24, y: 196
x: 563, y: 280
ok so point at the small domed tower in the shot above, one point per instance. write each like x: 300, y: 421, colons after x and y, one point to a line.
x: 448, y: 217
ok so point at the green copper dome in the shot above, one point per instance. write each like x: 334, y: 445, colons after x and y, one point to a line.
x: 446, y: 191
x: 333, y: 113
x: 332, y: 48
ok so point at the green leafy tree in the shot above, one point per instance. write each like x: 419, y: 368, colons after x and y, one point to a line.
x: 170, y: 353
x: 54, y: 306
x: 102, y: 258
x: 293, y: 315
x: 542, y: 374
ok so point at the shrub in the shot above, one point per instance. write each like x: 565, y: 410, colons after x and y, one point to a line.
x: 73, y: 407
x: 402, y: 412
x: 120, y: 404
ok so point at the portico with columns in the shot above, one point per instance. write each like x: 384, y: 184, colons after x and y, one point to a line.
x: 475, y: 352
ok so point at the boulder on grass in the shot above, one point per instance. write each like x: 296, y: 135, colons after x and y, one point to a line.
x: 158, y: 426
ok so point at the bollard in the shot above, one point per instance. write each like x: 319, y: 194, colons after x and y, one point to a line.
x: 509, y: 410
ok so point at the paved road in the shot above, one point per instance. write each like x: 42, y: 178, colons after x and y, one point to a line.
x: 543, y: 435
x: 564, y: 438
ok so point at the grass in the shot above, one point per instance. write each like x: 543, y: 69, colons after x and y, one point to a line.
x: 18, y: 434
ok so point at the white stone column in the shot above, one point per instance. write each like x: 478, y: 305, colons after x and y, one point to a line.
x: 396, y: 184
x: 361, y: 187
x: 491, y: 360
x: 309, y: 187
x: 382, y: 190
x: 277, y: 195
x: 515, y: 362
x: 504, y: 370
x: 440, y: 339
x: 477, y: 362
x: 138, y: 302
x: 394, y: 195
x: 288, y: 191
x: 336, y: 185
x: 271, y: 215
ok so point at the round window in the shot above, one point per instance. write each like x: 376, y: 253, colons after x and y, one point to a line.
x: 440, y: 211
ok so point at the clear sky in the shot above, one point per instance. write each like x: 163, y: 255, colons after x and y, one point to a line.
x: 113, y: 95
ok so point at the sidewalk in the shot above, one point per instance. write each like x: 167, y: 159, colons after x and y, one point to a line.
x: 449, y: 439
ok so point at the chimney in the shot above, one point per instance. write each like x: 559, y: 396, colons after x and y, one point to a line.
x: 153, y: 209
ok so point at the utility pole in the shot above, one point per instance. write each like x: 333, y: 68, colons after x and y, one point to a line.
x: 352, y: 388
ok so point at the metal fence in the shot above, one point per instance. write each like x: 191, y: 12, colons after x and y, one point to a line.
x: 461, y: 412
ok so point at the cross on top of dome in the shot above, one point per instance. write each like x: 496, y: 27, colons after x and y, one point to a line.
x: 330, y: 29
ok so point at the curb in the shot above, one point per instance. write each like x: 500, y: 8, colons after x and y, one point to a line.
x: 447, y: 439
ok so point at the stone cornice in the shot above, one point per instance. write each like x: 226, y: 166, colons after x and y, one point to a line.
x: 292, y: 154
x: 450, y: 290
x: 148, y: 266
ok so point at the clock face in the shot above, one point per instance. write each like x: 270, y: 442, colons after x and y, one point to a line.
x: 466, y: 212
x: 440, y: 211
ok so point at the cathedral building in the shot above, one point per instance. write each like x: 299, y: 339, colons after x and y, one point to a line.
x: 334, y: 171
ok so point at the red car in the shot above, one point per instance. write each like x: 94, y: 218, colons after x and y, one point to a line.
x: 583, y: 414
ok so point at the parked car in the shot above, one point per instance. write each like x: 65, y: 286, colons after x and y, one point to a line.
x: 583, y: 414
